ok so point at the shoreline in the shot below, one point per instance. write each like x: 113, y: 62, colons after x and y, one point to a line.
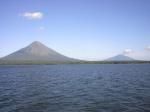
x: 2, y: 62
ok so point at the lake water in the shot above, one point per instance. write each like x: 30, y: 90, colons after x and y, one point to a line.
x: 75, y: 88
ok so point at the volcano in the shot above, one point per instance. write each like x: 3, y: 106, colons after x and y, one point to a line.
x: 37, y: 51
x: 120, y: 57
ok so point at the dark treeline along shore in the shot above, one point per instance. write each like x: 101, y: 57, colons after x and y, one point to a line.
x: 38, y: 53
x: 27, y: 62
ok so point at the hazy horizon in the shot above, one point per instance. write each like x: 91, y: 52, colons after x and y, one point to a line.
x: 82, y: 29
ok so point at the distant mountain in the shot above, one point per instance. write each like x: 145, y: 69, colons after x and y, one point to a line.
x: 36, y: 51
x: 120, y: 57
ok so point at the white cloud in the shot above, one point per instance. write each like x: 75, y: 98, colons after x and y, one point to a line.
x: 148, y: 48
x: 140, y: 55
x: 127, y: 51
x: 33, y: 15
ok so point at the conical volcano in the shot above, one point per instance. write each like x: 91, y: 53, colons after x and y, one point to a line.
x: 37, y: 51
x: 120, y: 57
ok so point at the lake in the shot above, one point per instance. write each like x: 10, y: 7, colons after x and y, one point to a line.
x: 75, y: 88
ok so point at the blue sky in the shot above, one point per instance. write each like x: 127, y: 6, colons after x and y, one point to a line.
x: 84, y: 29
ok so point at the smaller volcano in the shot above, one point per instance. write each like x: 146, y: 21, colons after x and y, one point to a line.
x: 120, y: 57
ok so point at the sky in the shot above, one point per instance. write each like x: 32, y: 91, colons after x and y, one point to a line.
x: 83, y: 29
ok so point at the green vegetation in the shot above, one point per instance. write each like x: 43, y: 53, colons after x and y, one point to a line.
x: 6, y: 62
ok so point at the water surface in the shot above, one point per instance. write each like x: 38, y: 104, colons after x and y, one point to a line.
x: 75, y: 88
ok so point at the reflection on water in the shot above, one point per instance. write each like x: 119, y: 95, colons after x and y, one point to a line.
x: 75, y: 88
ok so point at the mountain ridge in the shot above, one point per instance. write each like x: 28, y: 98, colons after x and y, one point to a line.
x: 37, y: 51
x: 120, y: 57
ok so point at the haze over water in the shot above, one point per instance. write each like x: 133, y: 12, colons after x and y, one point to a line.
x: 75, y: 88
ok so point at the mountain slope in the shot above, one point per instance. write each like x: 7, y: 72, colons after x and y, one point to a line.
x: 120, y: 58
x: 37, y: 52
